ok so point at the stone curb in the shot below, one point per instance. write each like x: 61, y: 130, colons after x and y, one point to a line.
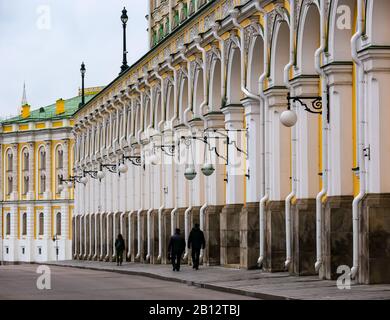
x: 258, y: 295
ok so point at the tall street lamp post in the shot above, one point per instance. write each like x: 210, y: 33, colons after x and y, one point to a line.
x: 83, y: 71
x: 124, y: 19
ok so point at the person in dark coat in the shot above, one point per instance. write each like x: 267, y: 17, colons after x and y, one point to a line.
x: 196, y: 242
x: 176, y: 247
x: 119, y: 247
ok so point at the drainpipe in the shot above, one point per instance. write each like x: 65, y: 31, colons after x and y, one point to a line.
x: 293, y: 138
x: 96, y: 246
x: 201, y: 218
x: 171, y: 122
x: 108, y: 235
x: 129, y: 234
x: 159, y: 129
x: 324, y: 87
x: 138, y: 256
x: 160, y: 239
x: 175, y: 116
x: 186, y: 123
x: 173, y: 215
x: 203, y: 105
x: 81, y: 239
x: 361, y: 138
x: 148, y: 216
x: 101, y: 236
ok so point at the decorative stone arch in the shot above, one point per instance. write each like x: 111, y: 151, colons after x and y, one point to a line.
x: 342, y: 37
x: 158, y: 108
x: 280, y: 47
x: 378, y: 22
x: 59, y: 165
x: 215, y: 85
x: 24, y: 177
x: 233, y: 81
x: 308, y: 38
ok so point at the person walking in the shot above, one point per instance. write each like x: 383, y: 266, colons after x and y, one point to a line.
x: 196, y: 242
x: 176, y: 247
x: 119, y: 247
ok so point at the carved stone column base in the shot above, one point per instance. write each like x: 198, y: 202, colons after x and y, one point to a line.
x: 304, y: 237
x: 275, y: 246
x: 230, y: 234
x: 375, y: 239
x: 212, y: 252
x: 337, y: 244
x: 249, y: 236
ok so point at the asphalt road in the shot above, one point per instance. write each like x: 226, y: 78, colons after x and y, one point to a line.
x: 20, y: 283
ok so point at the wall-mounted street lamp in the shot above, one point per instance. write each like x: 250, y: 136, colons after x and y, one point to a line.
x: 70, y: 182
x: 289, y: 117
x: 208, y: 168
x: 124, y: 19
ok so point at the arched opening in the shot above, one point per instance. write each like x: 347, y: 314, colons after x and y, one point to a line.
x: 183, y: 101
x: 41, y: 221
x: 340, y: 30
x: 158, y: 114
x: 279, y: 53
x: 256, y: 64
x: 170, y: 109
x: 198, y: 91
x: 215, y: 94
x: 24, y: 224
x: 308, y: 40
x: 378, y: 22
x: 58, y: 223
x: 25, y: 171
x: 234, y: 77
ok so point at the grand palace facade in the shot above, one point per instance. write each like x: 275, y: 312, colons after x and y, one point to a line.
x: 264, y: 121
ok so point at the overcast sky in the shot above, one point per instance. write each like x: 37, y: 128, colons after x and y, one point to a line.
x: 43, y: 43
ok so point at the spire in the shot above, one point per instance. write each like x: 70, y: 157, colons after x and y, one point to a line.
x: 24, y: 98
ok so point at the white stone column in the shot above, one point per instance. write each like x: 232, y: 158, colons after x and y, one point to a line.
x: 278, y: 147
x: 340, y: 130
x: 15, y: 173
x: 308, y: 179
x: 254, y: 139
x: 235, y: 185
x: 377, y: 93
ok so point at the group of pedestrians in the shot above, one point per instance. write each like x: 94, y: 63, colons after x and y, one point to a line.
x: 176, y: 247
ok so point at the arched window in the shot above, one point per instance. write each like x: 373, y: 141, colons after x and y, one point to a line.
x: 24, y: 224
x: 26, y: 157
x: 58, y: 224
x: 42, y: 159
x: 10, y: 159
x: 41, y: 223
x: 8, y: 224
x: 60, y: 159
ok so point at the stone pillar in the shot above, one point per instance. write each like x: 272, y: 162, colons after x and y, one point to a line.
x: 278, y: 186
x: 249, y: 220
x: 375, y: 218
x: 15, y: 173
x: 12, y: 243
x: 308, y: 179
x: 230, y: 216
x: 337, y: 232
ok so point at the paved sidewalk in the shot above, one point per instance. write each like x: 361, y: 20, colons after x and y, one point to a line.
x: 253, y: 283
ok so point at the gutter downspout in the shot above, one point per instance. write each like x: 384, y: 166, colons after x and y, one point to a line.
x: 149, y: 233
x: 108, y: 236
x: 293, y: 139
x: 264, y: 197
x: 173, y: 214
x: 159, y: 129
x: 325, y: 127
x: 138, y: 256
x: 203, y: 105
x: 129, y: 235
x: 185, y: 120
x: 361, y: 138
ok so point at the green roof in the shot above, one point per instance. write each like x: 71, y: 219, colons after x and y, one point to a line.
x: 49, y: 112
